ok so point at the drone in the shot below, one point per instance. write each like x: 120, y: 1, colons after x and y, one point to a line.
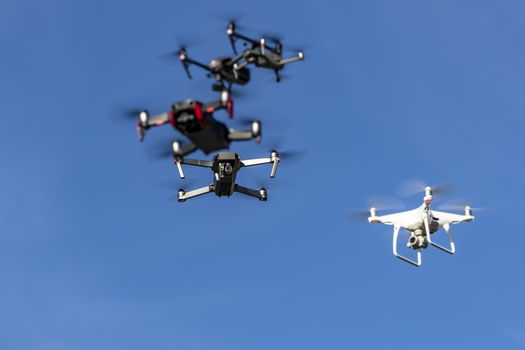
x: 195, y: 120
x: 221, y: 68
x: 225, y: 166
x: 421, y: 222
x: 261, y: 53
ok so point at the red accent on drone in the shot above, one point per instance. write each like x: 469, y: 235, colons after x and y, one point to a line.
x: 229, y: 106
x: 210, y: 110
x: 172, y: 118
x: 197, y: 108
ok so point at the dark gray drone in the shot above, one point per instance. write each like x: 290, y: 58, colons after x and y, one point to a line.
x: 195, y: 120
x: 220, y: 68
x: 261, y: 53
x: 234, y: 70
x: 225, y: 167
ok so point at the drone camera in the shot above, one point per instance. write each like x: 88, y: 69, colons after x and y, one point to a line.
x: 416, y: 242
x: 228, y: 169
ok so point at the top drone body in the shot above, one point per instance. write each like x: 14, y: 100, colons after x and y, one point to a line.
x: 261, y: 53
x: 421, y: 222
x: 195, y: 120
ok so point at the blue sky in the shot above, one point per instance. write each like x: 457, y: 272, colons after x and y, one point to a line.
x: 95, y: 253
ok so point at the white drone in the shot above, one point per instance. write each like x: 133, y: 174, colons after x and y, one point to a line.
x: 421, y: 223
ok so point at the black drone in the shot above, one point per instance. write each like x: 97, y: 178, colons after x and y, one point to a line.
x: 220, y: 68
x: 195, y: 120
x: 261, y: 53
x: 225, y: 167
x: 234, y: 70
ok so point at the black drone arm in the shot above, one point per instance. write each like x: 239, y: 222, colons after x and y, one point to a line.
x: 225, y: 102
x: 186, y: 61
x: 273, y: 159
x: 195, y: 162
x: 236, y: 36
x: 145, y: 122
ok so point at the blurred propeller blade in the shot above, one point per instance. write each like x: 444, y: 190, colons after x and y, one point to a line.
x: 458, y: 205
x: 358, y: 215
x: 161, y: 148
x: 414, y: 186
x: 379, y: 203
x: 385, y: 203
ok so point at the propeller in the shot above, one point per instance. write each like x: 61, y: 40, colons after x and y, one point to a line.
x: 184, y: 42
x: 458, y: 205
x: 173, y: 186
x: 414, y: 186
x: 285, y: 153
x: 161, y: 148
x: 379, y: 203
x: 131, y: 114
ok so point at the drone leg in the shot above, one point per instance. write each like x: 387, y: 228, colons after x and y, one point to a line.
x: 394, y: 248
x: 446, y: 227
x: 261, y: 194
x: 194, y: 193
x: 277, y: 76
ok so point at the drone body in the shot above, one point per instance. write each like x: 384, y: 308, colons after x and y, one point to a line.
x: 225, y: 166
x: 421, y: 223
x: 261, y: 54
x: 195, y: 120
x: 221, y: 68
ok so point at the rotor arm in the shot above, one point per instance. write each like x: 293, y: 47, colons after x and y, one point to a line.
x: 197, y: 63
x: 261, y: 194
x: 238, y: 57
x: 187, y: 61
x: 145, y: 122
x: 194, y: 162
x: 237, y: 36
x: 225, y: 102
x: 299, y: 57
x: 236, y: 135
x: 239, y: 66
x: 274, y: 159
x: 183, y: 195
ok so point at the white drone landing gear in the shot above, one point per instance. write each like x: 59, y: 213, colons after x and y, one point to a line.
x: 447, y: 229
x: 417, y: 262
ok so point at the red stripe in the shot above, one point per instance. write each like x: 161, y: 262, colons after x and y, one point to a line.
x: 172, y: 118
